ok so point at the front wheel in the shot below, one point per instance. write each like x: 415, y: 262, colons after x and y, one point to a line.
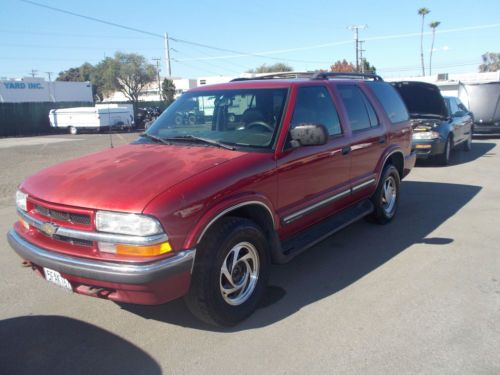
x: 386, y: 197
x: 73, y: 130
x: 444, y: 158
x: 230, y: 272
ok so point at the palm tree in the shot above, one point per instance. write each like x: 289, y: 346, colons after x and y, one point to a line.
x: 422, y: 12
x: 433, y: 26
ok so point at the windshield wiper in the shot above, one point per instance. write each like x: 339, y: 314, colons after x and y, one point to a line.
x: 191, y: 138
x: 155, y: 138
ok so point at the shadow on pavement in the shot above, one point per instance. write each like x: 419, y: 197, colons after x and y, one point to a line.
x: 459, y: 156
x: 59, y: 345
x: 342, y: 259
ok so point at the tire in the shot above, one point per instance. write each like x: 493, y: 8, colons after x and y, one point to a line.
x: 386, y: 197
x: 73, y: 130
x: 444, y: 158
x: 214, y: 273
x: 468, y: 143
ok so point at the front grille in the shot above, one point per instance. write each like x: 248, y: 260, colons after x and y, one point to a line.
x: 63, y: 216
x: 73, y: 241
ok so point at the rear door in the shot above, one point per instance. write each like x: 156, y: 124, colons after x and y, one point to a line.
x: 368, y: 139
x: 313, y: 179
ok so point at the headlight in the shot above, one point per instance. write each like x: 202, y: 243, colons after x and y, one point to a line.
x: 426, y: 135
x: 21, y: 200
x: 133, y: 224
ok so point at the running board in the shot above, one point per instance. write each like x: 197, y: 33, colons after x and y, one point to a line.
x: 324, y: 229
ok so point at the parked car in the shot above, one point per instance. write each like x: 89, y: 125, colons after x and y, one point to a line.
x: 91, y: 118
x: 439, y: 124
x: 146, y: 116
x: 201, y: 211
x: 483, y: 100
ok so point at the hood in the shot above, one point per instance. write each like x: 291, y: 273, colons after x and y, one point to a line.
x: 483, y: 100
x: 423, y: 100
x: 125, y: 178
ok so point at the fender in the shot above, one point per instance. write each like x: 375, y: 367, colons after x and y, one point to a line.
x: 222, y: 208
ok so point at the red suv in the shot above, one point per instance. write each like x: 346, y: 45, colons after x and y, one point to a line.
x: 266, y: 169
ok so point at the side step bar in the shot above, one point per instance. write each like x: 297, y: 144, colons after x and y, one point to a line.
x: 324, y: 229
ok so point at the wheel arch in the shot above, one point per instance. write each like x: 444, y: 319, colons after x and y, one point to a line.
x: 254, y: 209
x: 394, y: 157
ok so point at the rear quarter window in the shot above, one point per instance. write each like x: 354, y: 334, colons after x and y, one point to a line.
x: 390, y: 100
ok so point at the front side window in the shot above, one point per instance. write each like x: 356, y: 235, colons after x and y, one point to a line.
x: 314, y: 106
x: 237, y: 117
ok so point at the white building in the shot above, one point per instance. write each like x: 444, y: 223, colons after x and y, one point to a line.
x: 448, y: 83
x: 152, y: 92
x: 28, y: 90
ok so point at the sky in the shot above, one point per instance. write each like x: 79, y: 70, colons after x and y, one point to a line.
x: 307, y: 35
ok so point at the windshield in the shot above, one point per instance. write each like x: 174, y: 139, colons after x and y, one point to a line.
x: 238, y: 117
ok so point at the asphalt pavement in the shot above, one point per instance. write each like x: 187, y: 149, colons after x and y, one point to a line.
x: 420, y: 295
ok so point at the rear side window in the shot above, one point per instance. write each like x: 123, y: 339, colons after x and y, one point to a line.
x: 359, y: 110
x: 390, y: 100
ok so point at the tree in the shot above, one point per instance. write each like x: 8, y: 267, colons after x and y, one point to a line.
x: 168, y: 90
x: 70, y: 75
x: 278, y: 67
x: 422, y: 12
x: 433, y: 26
x: 491, y: 62
x: 84, y: 73
x: 367, y: 68
x: 343, y: 66
x: 129, y: 73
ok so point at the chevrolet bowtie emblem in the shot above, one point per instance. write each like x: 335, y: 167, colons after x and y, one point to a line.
x: 49, y: 229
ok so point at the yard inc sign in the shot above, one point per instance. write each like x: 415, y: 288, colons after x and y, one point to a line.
x: 23, y: 85
x: 30, y: 90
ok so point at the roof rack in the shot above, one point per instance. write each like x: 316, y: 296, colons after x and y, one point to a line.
x: 283, y: 75
x: 327, y: 75
x: 311, y: 75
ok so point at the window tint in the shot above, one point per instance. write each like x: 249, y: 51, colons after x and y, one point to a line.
x: 357, y: 106
x: 371, y: 112
x: 314, y: 106
x: 390, y: 100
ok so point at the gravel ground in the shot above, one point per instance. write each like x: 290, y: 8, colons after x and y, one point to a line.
x: 421, y: 295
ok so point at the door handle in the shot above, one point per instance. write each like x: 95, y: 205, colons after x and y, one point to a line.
x: 346, y: 150
x: 381, y: 140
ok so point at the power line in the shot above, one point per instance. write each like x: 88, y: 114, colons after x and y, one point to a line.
x: 178, y: 40
x: 92, y: 18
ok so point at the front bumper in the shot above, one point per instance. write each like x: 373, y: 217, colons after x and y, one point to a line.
x: 136, y: 283
x: 427, y: 148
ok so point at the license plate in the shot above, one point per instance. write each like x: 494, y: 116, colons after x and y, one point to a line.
x: 55, y: 278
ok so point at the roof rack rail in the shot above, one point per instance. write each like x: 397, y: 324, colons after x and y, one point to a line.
x: 327, y: 75
x: 282, y: 75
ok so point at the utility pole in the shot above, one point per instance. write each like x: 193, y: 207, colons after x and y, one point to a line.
x: 167, y: 55
x: 361, y: 58
x: 50, y: 83
x: 356, y: 29
x: 33, y: 72
x: 158, y: 72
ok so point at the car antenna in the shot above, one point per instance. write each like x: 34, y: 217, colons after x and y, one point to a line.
x: 110, y: 138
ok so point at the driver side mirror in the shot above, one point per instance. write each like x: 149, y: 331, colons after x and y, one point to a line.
x: 308, y: 135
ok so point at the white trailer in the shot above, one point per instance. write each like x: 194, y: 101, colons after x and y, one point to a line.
x: 91, y: 118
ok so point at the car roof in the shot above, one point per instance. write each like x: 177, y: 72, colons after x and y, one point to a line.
x: 272, y: 84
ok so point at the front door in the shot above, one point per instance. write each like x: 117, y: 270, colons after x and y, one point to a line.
x: 313, y: 179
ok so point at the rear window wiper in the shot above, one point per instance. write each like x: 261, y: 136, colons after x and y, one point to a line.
x: 192, y: 138
x: 155, y: 138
